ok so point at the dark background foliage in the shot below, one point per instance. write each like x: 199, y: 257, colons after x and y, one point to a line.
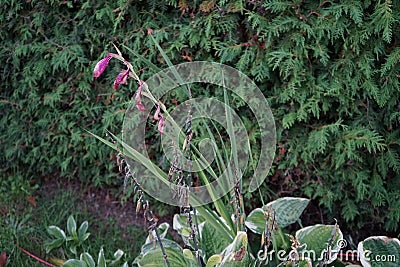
x: 330, y: 70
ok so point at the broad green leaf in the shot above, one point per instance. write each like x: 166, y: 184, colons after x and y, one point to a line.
x: 155, y: 258
x: 188, y: 254
x: 214, y: 260
x: 321, y: 242
x: 147, y: 247
x: 288, y: 209
x: 71, y: 225
x: 53, y: 244
x: 74, y: 263
x: 56, y: 232
x: 256, y: 221
x: 101, y: 261
x: 72, y: 248
x: 88, y: 259
x: 236, y: 254
x: 212, y: 241
x: 118, y: 254
x: 379, y: 251
x: 117, y: 257
x: 217, y: 222
x: 82, y: 235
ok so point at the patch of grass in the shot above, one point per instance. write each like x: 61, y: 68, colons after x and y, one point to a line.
x: 24, y: 225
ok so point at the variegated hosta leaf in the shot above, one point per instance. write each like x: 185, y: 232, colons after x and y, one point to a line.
x: 287, y: 211
x: 212, y: 241
x: 320, y: 242
x: 74, y: 263
x: 236, y: 254
x: 214, y: 260
x: 151, y: 255
x: 379, y: 251
x: 146, y: 248
x: 256, y: 221
x: 155, y: 258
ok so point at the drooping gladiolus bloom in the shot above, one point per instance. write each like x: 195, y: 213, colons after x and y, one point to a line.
x: 139, y: 104
x: 161, y: 125
x: 101, y: 66
x: 157, y: 114
x: 121, y: 78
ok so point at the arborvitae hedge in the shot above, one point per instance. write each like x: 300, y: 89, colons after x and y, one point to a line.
x: 330, y: 70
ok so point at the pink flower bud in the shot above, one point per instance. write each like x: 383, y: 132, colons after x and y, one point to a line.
x: 121, y: 78
x: 161, y: 125
x: 139, y: 104
x: 101, y: 66
x: 157, y: 114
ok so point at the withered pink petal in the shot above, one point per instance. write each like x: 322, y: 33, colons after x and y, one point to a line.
x: 140, y: 87
x: 157, y: 114
x: 161, y: 125
x: 121, y: 78
x: 101, y: 66
x: 139, y: 104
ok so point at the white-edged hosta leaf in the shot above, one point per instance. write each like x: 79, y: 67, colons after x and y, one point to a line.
x: 379, y: 251
x: 167, y: 243
x: 287, y: 209
x: 101, y: 261
x: 256, y: 221
x: 214, y: 260
x: 55, y: 243
x: 56, y: 232
x: 236, y: 254
x: 82, y: 235
x: 212, y: 241
x: 320, y: 242
x: 155, y: 258
x: 88, y: 259
x: 71, y: 225
x: 74, y: 263
x: 118, y: 254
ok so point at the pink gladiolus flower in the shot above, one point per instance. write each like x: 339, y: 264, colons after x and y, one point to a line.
x: 161, y: 125
x: 121, y: 78
x: 101, y: 66
x: 157, y: 114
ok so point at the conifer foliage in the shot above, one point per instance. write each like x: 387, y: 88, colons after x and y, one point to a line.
x: 330, y: 70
